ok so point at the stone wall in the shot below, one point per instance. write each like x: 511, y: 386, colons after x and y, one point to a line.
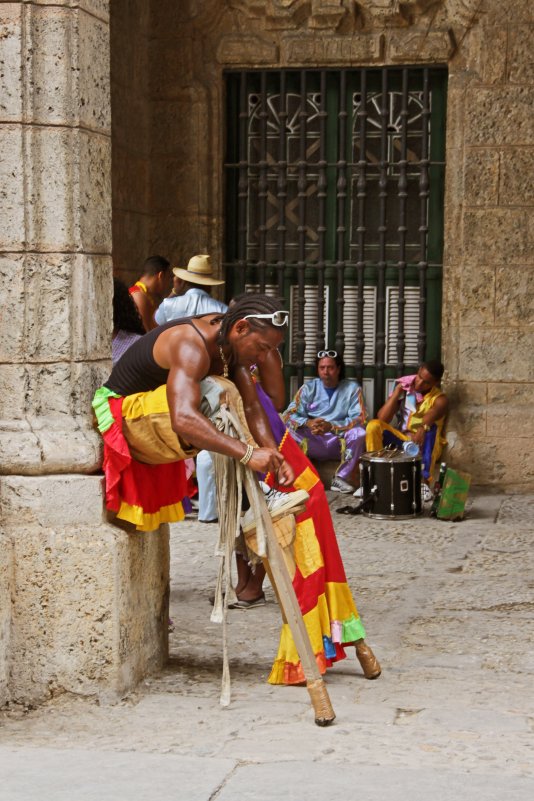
x: 488, y: 262
x: 82, y: 603
x: 130, y: 136
x: 90, y: 600
x: 6, y: 588
x: 489, y: 253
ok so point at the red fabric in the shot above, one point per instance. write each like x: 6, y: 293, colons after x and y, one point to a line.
x: 309, y: 589
x: 148, y: 486
x: 294, y: 674
x: 116, y: 456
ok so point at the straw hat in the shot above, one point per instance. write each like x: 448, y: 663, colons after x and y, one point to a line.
x: 198, y: 271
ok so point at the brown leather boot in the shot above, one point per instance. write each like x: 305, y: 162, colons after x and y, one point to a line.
x: 370, y: 665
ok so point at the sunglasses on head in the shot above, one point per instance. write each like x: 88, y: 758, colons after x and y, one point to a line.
x: 331, y: 354
x: 277, y: 318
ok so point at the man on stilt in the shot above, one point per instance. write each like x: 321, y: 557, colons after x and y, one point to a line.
x: 153, y: 410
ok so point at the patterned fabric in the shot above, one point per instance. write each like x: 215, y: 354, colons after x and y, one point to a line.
x: 143, y: 494
x: 121, y: 342
x: 414, y: 406
x: 319, y: 579
x: 144, y: 460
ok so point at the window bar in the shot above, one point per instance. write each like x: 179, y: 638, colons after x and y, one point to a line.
x: 300, y: 334
x: 382, y: 231
x: 242, y: 187
x: 361, y: 194
x: 341, y: 193
x: 402, y: 191
x: 262, y: 181
x: 424, y: 189
x: 281, y: 184
x: 321, y: 228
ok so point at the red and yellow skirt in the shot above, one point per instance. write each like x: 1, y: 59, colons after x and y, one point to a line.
x: 144, y: 461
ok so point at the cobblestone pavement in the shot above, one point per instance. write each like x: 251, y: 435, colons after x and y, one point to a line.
x: 448, y: 608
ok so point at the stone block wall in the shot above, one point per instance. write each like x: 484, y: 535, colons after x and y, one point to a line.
x: 488, y: 287
x: 83, y: 604
x: 6, y: 588
x: 488, y: 336
x: 90, y: 600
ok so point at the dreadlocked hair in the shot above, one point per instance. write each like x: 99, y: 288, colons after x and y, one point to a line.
x: 249, y: 304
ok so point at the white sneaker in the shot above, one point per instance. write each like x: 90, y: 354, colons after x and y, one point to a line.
x: 358, y: 493
x: 279, y: 504
x: 340, y: 485
x: 426, y: 493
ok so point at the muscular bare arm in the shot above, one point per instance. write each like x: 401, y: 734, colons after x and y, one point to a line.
x: 257, y: 420
x: 188, y: 364
x: 438, y: 410
x: 391, y: 406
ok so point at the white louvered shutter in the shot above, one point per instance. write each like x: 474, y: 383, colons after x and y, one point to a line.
x: 411, y: 324
x: 270, y: 289
x: 310, y: 322
x: 350, y: 294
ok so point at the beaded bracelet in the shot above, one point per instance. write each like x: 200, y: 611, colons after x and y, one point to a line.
x: 247, y: 456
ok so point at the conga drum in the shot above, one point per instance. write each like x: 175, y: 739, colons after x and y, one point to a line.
x: 391, y: 483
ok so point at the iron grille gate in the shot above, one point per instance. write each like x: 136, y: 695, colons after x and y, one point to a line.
x: 334, y: 200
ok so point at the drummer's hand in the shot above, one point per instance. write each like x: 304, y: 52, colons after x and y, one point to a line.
x: 418, y: 436
x: 319, y: 426
x: 285, y: 475
x: 266, y: 460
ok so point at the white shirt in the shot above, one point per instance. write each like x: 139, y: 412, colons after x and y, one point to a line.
x: 195, y: 301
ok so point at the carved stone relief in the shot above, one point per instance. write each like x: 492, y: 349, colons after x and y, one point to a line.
x: 438, y: 27
x: 371, y: 14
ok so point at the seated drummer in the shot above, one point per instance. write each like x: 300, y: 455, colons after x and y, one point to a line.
x: 421, y: 407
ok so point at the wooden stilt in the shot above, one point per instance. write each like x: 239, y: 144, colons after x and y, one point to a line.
x: 277, y: 569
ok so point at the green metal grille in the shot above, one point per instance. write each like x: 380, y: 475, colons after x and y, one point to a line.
x: 334, y: 198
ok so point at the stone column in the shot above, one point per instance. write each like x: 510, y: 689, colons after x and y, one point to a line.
x: 489, y: 253
x: 82, y: 603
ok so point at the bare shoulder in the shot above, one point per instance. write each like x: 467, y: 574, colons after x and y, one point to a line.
x: 140, y: 300
x: 442, y: 401
x: 182, y: 346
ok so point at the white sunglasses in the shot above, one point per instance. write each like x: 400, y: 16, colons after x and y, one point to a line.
x: 331, y: 354
x: 277, y: 318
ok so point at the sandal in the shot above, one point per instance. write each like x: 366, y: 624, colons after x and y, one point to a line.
x: 248, y: 604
